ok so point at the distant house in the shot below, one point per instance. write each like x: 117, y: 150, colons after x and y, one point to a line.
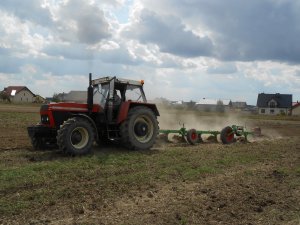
x: 39, y: 99
x: 274, y: 104
x: 239, y: 105
x: 161, y: 101
x: 72, y: 96
x: 20, y: 94
x: 296, y: 109
x: 48, y: 99
x: 76, y: 96
x: 177, y: 103
x: 213, y: 105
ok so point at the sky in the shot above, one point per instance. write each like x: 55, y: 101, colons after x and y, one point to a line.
x: 182, y: 49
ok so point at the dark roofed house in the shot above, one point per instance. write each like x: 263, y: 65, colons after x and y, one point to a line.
x: 274, y: 104
x: 19, y: 94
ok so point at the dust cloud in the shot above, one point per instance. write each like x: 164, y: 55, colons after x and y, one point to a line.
x: 175, y: 118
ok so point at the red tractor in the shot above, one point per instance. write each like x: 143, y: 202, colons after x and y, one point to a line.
x: 116, y: 110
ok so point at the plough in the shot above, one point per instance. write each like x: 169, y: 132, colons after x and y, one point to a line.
x: 227, y: 135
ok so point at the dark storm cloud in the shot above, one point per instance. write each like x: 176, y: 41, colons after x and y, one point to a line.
x: 245, y: 30
x: 169, y: 34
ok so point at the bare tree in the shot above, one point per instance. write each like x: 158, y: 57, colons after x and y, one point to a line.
x: 55, y: 98
x: 220, y: 106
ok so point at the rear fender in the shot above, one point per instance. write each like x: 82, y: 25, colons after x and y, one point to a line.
x: 126, y: 106
x: 90, y: 120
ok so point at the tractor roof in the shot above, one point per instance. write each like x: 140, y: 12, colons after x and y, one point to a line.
x: 104, y: 80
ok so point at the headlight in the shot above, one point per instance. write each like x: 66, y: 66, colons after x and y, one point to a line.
x: 45, y: 119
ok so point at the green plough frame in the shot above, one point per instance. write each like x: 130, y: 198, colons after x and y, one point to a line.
x: 227, y: 134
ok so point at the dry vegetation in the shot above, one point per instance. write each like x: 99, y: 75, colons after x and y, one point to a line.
x: 211, y: 183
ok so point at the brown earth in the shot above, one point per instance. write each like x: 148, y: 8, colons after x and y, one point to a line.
x: 210, y: 183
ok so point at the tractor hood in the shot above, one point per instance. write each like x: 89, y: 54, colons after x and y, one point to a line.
x: 70, y: 107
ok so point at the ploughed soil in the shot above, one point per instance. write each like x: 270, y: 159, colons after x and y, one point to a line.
x: 257, y: 182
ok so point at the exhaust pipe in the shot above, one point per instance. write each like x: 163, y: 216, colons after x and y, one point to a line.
x: 90, y: 95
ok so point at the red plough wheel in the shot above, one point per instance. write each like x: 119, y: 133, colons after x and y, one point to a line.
x: 227, y: 135
x: 192, y: 137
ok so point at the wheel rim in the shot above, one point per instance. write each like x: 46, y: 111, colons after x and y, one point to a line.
x: 79, y: 137
x: 143, y: 129
x: 194, y: 136
x: 229, y: 135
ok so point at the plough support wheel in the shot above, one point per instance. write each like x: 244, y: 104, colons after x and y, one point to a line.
x: 227, y: 135
x: 192, y: 136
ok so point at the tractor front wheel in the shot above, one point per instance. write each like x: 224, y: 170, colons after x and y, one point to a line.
x: 37, y: 143
x: 140, y: 129
x: 75, y: 136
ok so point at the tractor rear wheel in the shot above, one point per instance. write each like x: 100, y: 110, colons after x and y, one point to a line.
x: 192, y: 137
x: 140, y: 129
x: 227, y: 135
x: 75, y: 136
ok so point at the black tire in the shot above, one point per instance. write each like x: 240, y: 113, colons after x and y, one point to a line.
x: 139, y: 131
x: 192, y: 137
x: 37, y: 143
x: 227, y: 135
x: 76, y: 137
x: 42, y: 143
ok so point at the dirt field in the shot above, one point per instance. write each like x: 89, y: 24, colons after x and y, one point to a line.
x: 210, y: 183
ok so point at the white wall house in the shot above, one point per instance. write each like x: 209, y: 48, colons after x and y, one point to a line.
x: 296, y: 109
x: 274, y: 104
x: 19, y: 94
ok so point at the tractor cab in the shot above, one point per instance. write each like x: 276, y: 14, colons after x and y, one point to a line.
x: 112, y: 93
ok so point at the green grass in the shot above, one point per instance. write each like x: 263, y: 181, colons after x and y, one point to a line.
x: 18, y: 119
x: 52, y: 179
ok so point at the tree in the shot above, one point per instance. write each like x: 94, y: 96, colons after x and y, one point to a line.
x: 4, y: 96
x: 220, y: 106
x: 55, y: 98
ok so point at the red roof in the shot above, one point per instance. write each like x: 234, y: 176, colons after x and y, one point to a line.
x: 295, y: 104
x: 17, y: 89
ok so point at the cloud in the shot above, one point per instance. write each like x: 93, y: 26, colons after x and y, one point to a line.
x: 225, y: 68
x: 82, y: 20
x: 169, y: 33
x: 9, y: 64
x: 71, y: 21
x: 251, y: 46
x: 241, y: 30
x: 28, y: 10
